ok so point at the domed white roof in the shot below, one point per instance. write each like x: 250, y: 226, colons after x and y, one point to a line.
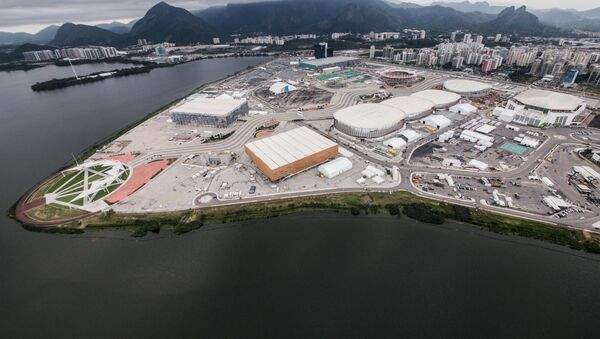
x: 412, y: 106
x: 438, y: 97
x: 369, y: 116
x: 549, y: 100
x: 465, y: 86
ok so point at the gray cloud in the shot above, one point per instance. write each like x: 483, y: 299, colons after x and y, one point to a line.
x: 31, y: 15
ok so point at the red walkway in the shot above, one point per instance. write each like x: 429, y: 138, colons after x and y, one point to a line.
x: 141, y: 175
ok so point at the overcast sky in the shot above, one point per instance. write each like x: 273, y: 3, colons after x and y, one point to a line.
x: 33, y: 15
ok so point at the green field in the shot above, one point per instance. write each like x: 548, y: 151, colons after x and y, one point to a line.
x: 343, y: 74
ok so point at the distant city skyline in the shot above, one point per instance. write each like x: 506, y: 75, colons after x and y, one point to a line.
x: 33, y: 15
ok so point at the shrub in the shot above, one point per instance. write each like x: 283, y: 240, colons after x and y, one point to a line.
x: 424, y: 213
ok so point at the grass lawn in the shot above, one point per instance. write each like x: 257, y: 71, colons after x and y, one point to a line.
x: 54, y: 212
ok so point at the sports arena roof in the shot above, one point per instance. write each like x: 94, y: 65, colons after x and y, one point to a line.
x: 438, y: 97
x: 412, y: 106
x: 285, y: 148
x: 549, y: 100
x: 465, y: 86
x: 370, y: 116
x: 219, y: 106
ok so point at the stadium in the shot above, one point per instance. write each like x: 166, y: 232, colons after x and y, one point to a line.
x: 220, y: 111
x: 413, y: 107
x: 467, y: 88
x: 399, y: 76
x: 537, y: 107
x: 440, y: 99
x: 368, y: 120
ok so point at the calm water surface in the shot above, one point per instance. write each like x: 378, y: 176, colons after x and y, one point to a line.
x: 309, y: 275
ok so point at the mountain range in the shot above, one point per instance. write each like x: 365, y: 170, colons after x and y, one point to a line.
x: 44, y: 35
x: 565, y: 18
x: 301, y: 16
x: 164, y: 22
x: 118, y: 27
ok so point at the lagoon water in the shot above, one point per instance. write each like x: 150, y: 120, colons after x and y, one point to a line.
x: 307, y: 275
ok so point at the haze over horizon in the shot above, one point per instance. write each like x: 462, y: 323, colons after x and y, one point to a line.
x: 33, y: 15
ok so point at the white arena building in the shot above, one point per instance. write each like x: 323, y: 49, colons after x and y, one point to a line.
x: 467, y: 88
x: 412, y: 106
x: 536, y: 107
x: 368, y: 120
x: 440, y: 99
x: 218, y: 112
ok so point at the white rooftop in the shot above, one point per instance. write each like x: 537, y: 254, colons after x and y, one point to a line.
x: 220, y: 106
x: 395, y: 143
x: 478, y: 164
x: 436, y: 120
x: 464, y: 107
x: 410, y: 134
x: 587, y: 171
x: 438, y: 97
x: 549, y: 100
x: 369, y: 115
x: 485, y: 129
x: 410, y: 105
x: 465, y: 86
x: 287, y: 147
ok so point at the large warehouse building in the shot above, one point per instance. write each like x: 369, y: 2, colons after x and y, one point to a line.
x: 336, y: 61
x: 467, y: 88
x: 368, y: 120
x: 440, y: 99
x: 217, y: 112
x: 536, y: 107
x: 290, y: 152
x: 412, y: 106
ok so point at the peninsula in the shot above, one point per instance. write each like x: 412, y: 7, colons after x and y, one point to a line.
x: 345, y: 134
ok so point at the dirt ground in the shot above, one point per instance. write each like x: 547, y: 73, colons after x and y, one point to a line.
x: 297, y: 98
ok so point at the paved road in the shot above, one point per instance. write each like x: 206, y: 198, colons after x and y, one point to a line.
x: 347, y: 98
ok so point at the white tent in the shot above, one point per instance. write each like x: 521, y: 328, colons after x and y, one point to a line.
x: 463, y: 108
x: 485, y: 129
x: 436, y: 121
x: 281, y: 87
x: 335, y: 167
x: 395, y: 143
x: 504, y: 114
x: 480, y: 165
x: 409, y: 135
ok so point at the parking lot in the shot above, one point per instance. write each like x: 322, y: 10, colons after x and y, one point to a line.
x: 504, y: 151
x: 523, y: 194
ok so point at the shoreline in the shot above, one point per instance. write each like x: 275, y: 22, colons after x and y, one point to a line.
x: 397, y: 203
x: 140, y: 67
